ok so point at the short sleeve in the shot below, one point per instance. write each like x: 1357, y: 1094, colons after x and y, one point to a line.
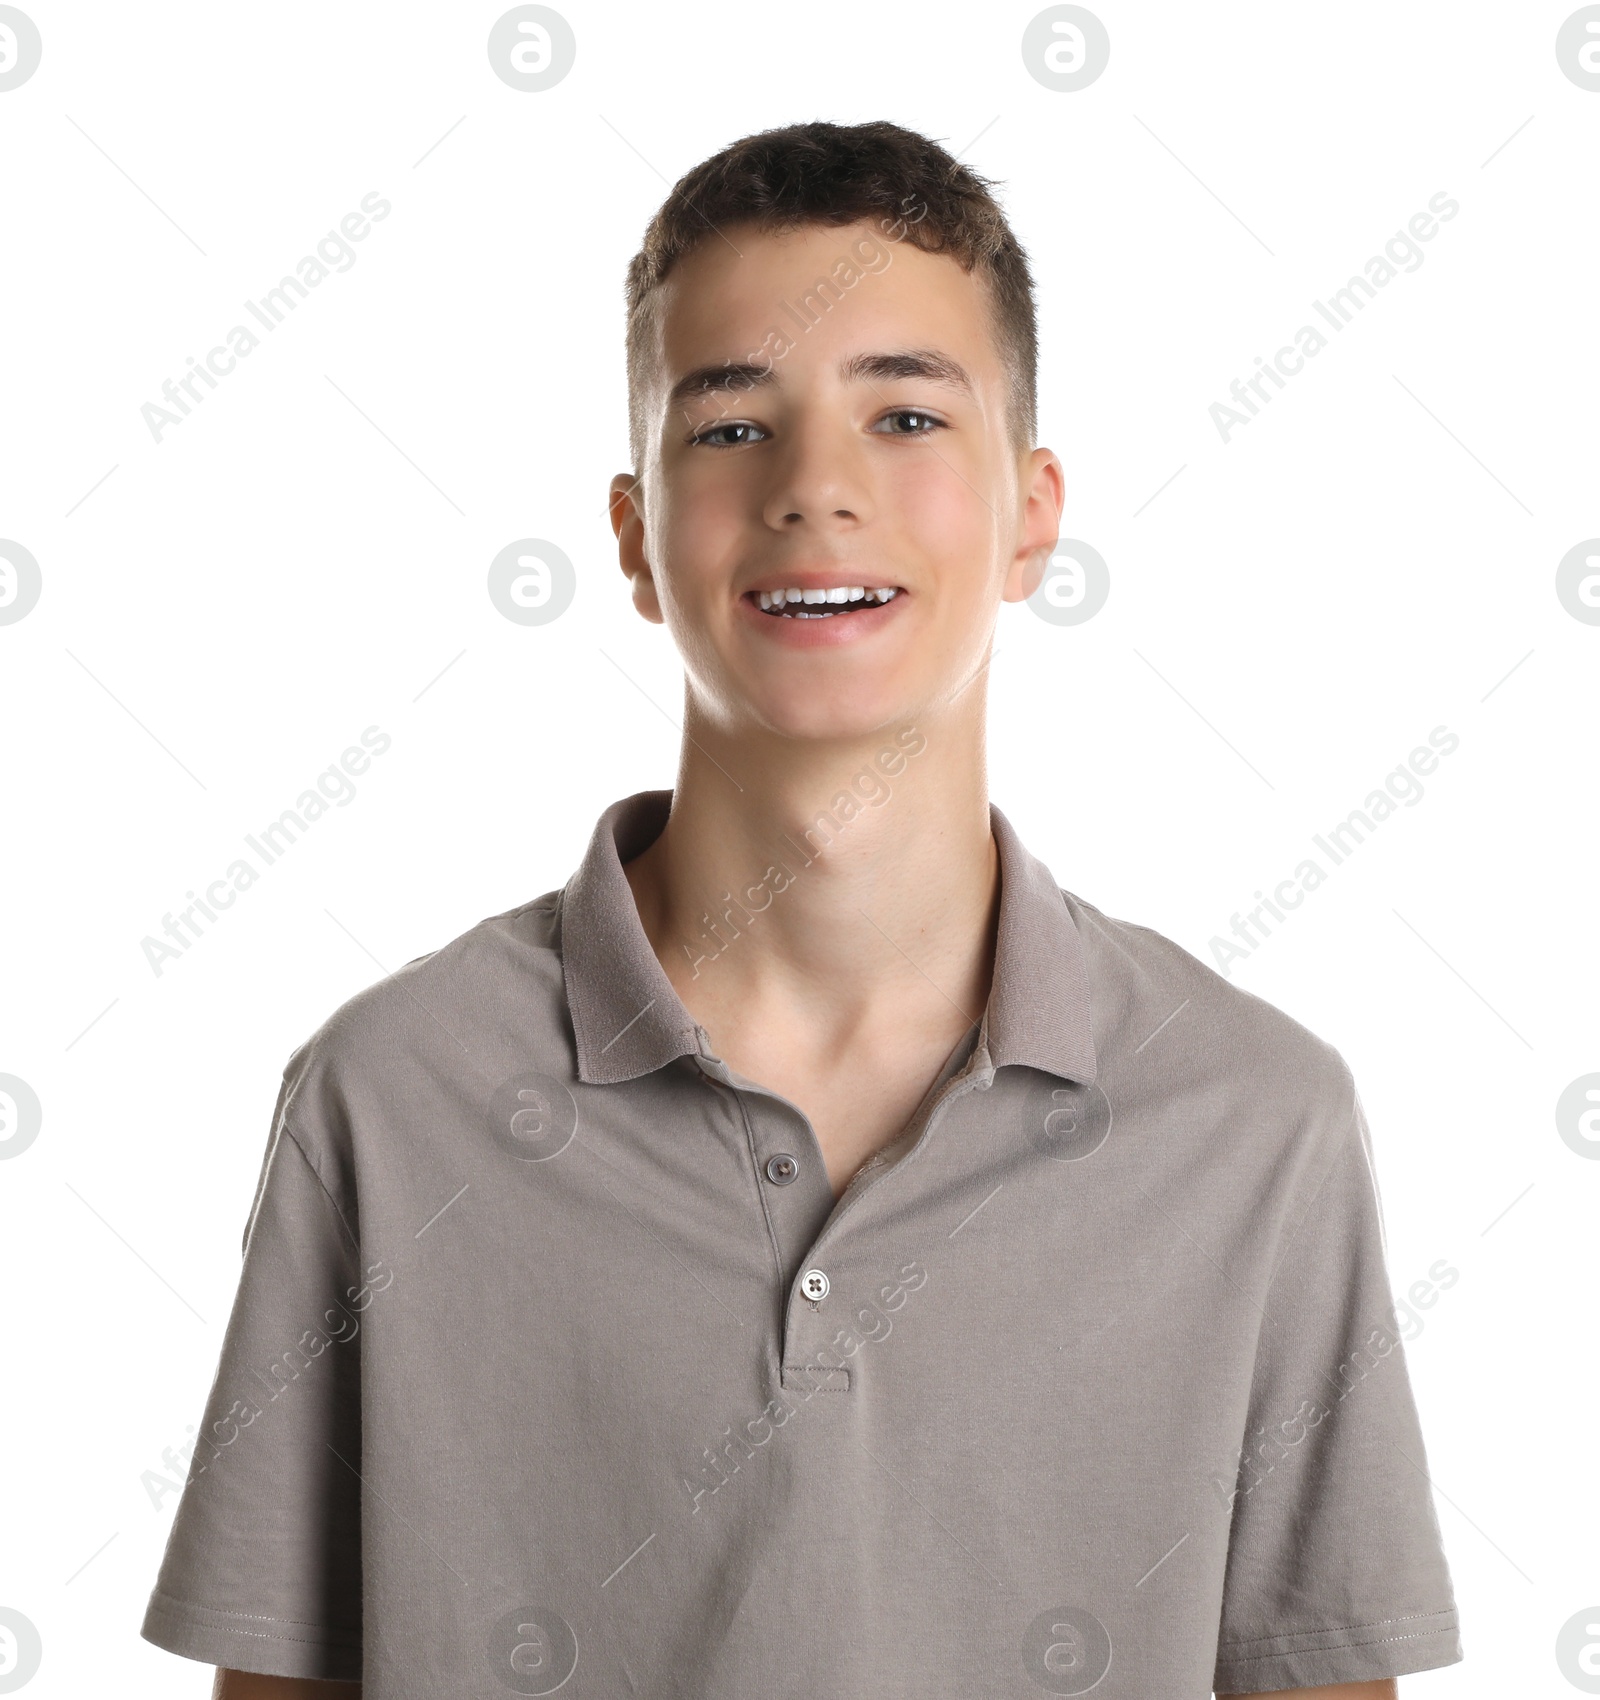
x: 1336, y: 1572
x: 262, y: 1570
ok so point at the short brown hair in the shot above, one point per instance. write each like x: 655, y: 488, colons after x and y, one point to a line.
x: 836, y: 174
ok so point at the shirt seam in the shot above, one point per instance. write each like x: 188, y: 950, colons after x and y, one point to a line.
x: 943, y: 1093
x: 1335, y: 1647
x: 1343, y: 1629
x: 311, y: 1163
x: 1311, y: 1203
x: 328, y: 1636
x: 802, y: 1378
x: 571, y: 1003
x: 773, y: 1241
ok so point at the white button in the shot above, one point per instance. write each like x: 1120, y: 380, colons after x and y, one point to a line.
x: 814, y: 1284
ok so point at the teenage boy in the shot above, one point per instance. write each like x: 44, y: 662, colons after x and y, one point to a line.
x: 811, y: 1253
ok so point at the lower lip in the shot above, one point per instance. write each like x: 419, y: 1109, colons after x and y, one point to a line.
x: 830, y: 632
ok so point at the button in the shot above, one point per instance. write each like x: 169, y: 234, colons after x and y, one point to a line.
x: 782, y: 1169
x: 814, y: 1284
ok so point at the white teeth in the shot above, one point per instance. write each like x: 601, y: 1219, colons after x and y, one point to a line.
x: 775, y: 600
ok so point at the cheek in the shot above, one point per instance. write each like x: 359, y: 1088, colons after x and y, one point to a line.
x: 940, y: 510
x: 694, y: 543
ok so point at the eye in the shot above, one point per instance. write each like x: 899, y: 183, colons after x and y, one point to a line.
x: 714, y: 436
x: 919, y: 423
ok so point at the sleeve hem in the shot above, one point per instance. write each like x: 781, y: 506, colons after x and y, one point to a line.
x: 1355, y: 1653
x: 266, y: 1646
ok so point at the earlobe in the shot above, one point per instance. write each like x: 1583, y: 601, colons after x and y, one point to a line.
x: 644, y: 594
x: 1046, y: 486
x: 1027, y: 573
x: 628, y: 523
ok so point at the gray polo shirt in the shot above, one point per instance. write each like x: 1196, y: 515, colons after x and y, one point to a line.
x: 556, y: 1365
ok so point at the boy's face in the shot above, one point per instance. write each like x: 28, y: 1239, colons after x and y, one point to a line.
x: 871, y: 450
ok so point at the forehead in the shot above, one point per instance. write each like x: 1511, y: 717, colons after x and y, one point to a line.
x: 819, y: 292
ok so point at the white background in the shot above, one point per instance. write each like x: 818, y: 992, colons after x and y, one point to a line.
x: 225, y: 611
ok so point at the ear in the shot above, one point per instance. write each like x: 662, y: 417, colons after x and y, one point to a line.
x: 626, y: 506
x: 1044, y: 491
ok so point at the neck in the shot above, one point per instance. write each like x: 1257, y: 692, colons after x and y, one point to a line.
x: 812, y: 884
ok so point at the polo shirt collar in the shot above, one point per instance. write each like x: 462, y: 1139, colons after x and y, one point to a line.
x: 1039, y: 1008
x: 628, y: 1020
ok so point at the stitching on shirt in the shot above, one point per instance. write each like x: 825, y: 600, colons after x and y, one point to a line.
x: 761, y: 1197
x: 1337, y: 1647
x: 1311, y: 1205
x: 548, y: 901
x: 804, y: 1376
x: 1342, y: 1629
x: 287, y: 1640
x: 311, y: 1163
x: 198, y: 1613
x: 243, y: 1616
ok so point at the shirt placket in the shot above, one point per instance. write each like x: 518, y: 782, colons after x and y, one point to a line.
x: 823, y: 1277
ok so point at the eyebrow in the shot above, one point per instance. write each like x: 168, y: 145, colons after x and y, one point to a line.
x: 925, y: 363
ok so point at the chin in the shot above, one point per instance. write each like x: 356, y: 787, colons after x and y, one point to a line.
x: 832, y: 718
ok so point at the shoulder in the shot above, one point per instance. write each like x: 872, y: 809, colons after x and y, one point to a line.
x: 1162, y: 1014
x: 430, y: 1019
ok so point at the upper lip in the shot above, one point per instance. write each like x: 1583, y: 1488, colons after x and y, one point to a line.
x: 818, y: 578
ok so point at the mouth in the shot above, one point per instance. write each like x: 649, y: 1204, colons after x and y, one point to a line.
x: 797, y: 603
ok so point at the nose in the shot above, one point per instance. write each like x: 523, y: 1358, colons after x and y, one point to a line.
x: 820, y: 478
